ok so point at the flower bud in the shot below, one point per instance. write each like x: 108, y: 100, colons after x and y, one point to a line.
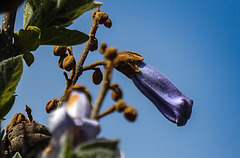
x: 102, y: 48
x: 101, y: 17
x: 120, y: 105
x: 51, y: 105
x: 69, y: 63
x: 59, y: 50
x: 97, y: 76
x: 116, y: 92
x: 60, y: 61
x: 17, y: 118
x: 108, y: 23
x: 94, y: 45
x: 110, y: 53
x: 130, y: 113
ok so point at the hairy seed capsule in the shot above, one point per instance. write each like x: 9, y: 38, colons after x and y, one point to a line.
x: 94, y: 45
x: 108, y: 23
x: 97, y: 77
x: 59, y: 51
x: 69, y: 63
x: 101, y: 17
x: 130, y: 114
x: 51, y: 105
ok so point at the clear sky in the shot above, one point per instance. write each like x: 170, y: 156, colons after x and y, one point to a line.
x: 196, y: 44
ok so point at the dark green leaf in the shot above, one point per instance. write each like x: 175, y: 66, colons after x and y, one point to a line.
x: 10, y: 73
x: 97, y: 149
x: 28, y: 57
x: 61, y: 36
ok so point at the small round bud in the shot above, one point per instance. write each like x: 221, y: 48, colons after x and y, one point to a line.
x: 110, y: 53
x: 94, y: 45
x: 120, y: 105
x: 103, y: 47
x: 51, y: 105
x: 130, y: 114
x: 97, y: 77
x: 108, y: 23
x: 60, y: 61
x: 116, y: 92
x: 101, y: 17
x: 59, y: 51
x: 69, y: 63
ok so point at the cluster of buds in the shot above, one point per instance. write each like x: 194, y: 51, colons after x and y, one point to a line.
x: 99, y: 18
x: 66, y: 60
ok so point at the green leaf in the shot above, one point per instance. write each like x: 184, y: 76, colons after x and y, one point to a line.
x: 61, y: 36
x: 17, y: 155
x: 29, y: 38
x: 28, y: 57
x: 97, y: 149
x: 10, y: 73
x: 66, y: 151
x: 7, y: 107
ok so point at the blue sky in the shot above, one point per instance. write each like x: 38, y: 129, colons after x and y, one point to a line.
x: 196, y: 44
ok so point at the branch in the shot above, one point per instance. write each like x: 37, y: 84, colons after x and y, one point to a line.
x: 6, y: 48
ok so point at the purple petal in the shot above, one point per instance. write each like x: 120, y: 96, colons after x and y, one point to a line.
x: 174, y: 105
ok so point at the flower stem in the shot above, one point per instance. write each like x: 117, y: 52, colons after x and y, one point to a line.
x: 6, y: 33
x: 103, y: 90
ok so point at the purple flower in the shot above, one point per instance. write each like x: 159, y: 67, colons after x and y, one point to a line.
x: 72, y: 120
x: 174, y: 105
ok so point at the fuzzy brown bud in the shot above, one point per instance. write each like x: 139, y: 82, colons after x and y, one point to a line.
x: 108, y: 23
x: 97, y: 76
x: 120, y: 105
x: 110, y: 53
x: 60, y: 61
x: 69, y: 63
x: 94, y: 44
x: 59, y: 50
x: 51, y: 105
x: 116, y: 92
x: 17, y: 118
x: 130, y: 113
x: 101, y: 17
x: 103, y: 47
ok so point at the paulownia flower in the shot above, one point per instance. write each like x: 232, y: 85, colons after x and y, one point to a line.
x: 72, y: 120
x: 170, y: 101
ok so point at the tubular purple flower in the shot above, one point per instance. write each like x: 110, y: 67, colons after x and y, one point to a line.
x: 172, y: 103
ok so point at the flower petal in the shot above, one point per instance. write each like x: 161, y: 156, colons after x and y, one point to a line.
x: 174, y: 105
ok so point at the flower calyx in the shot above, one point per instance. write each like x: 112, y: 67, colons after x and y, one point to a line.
x: 130, y: 113
x: 97, y: 76
x: 126, y: 62
x: 81, y: 88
